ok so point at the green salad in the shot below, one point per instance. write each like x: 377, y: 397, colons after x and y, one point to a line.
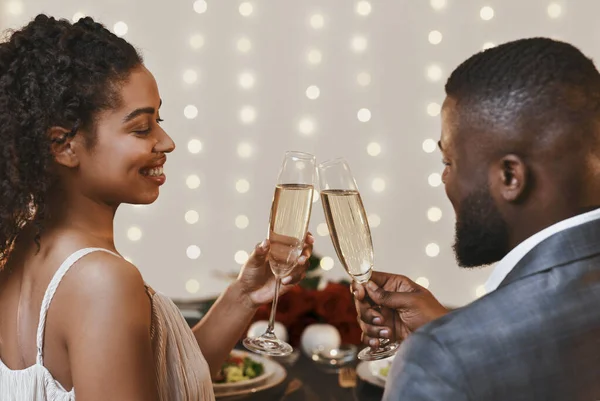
x: 236, y: 369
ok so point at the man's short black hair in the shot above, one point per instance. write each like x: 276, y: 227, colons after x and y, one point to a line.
x: 528, y: 83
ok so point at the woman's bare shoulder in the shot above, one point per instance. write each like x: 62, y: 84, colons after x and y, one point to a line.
x: 105, y: 286
x: 107, y: 326
x: 107, y: 273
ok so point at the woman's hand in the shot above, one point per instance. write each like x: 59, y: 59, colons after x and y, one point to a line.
x: 224, y: 324
x: 257, y: 282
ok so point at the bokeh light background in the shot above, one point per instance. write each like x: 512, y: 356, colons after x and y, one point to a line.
x: 244, y: 81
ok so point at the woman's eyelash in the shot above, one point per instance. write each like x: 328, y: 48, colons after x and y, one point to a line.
x: 147, y: 131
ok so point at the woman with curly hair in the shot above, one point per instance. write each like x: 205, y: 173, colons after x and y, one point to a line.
x: 80, y: 134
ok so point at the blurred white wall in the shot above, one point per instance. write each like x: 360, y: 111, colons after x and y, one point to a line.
x: 246, y: 68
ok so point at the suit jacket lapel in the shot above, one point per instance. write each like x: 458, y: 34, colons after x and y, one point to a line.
x: 562, y: 248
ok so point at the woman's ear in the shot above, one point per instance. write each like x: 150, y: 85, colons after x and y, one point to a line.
x: 62, y: 146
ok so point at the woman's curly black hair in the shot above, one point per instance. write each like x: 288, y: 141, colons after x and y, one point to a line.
x: 52, y: 73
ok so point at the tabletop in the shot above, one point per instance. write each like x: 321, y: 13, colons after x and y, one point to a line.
x: 308, y: 381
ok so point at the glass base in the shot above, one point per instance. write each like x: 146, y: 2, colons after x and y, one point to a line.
x: 384, y: 351
x: 268, y: 344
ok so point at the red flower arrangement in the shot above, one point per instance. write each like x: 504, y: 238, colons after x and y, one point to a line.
x: 305, y: 304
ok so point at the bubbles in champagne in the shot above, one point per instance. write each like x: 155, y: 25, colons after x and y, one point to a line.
x: 350, y: 233
x: 290, y: 214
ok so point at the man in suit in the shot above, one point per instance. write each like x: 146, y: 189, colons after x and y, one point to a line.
x: 521, y: 148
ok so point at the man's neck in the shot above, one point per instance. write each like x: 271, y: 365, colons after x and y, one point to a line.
x: 532, y: 225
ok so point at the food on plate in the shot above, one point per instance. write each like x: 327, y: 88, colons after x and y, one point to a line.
x: 239, y: 368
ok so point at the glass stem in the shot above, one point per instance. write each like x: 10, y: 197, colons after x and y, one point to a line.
x: 271, y: 326
x: 393, y: 339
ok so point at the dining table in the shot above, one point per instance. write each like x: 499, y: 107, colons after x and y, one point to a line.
x: 307, y: 380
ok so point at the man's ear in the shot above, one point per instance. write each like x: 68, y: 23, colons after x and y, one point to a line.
x: 510, y: 178
x: 62, y: 146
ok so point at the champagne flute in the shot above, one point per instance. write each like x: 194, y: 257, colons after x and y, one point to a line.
x: 290, y: 215
x: 349, y: 230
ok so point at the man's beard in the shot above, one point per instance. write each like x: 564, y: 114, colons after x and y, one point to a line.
x: 481, y: 234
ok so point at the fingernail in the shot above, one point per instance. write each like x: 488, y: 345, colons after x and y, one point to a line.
x: 372, y: 285
x: 355, y: 293
x: 377, y: 320
x: 384, y: 333
x: 301, y: 260
x: 286, y: 280
x: 373, y: 342
x: 263, y: 245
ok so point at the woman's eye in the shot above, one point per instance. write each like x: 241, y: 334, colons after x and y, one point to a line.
x: 142, y: 132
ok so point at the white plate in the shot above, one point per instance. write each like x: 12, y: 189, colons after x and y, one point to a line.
x: 363, y: 370
x: 269, y: 369
x: 376, y: 366
x: 278, y: 376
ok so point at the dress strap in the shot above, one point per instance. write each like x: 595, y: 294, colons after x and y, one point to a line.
x: 62, y: 270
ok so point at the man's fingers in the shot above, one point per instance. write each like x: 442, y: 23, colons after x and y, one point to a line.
x: 366, y: 312
x: 358, y: 291
x: 372, y: 342
x: 390, y: 299
x: 377, y: 331
x: 380, y: 278
x: 395, y: 282
x: 371, y: 316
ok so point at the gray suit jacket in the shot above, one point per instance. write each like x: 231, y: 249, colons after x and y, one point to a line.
x: 537, y: 337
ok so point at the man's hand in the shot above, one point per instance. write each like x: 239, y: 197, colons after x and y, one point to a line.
x: 386, y: 294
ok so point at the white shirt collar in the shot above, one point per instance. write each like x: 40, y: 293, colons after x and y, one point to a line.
x: 508, y: 263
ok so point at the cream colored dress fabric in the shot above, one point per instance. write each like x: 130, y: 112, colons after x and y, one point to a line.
x: 181, y: 371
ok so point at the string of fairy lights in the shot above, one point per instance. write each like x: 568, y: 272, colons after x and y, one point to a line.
x: 306, y: 124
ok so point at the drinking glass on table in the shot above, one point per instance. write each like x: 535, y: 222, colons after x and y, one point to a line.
x: 288, y: 226
x: 349, y: 230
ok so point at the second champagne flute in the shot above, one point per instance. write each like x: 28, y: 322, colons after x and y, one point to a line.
x: 351, y: 236
x: 288, y: 226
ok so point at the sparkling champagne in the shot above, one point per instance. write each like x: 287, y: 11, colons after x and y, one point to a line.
x: 290, y: 214
x: 349, y: 230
